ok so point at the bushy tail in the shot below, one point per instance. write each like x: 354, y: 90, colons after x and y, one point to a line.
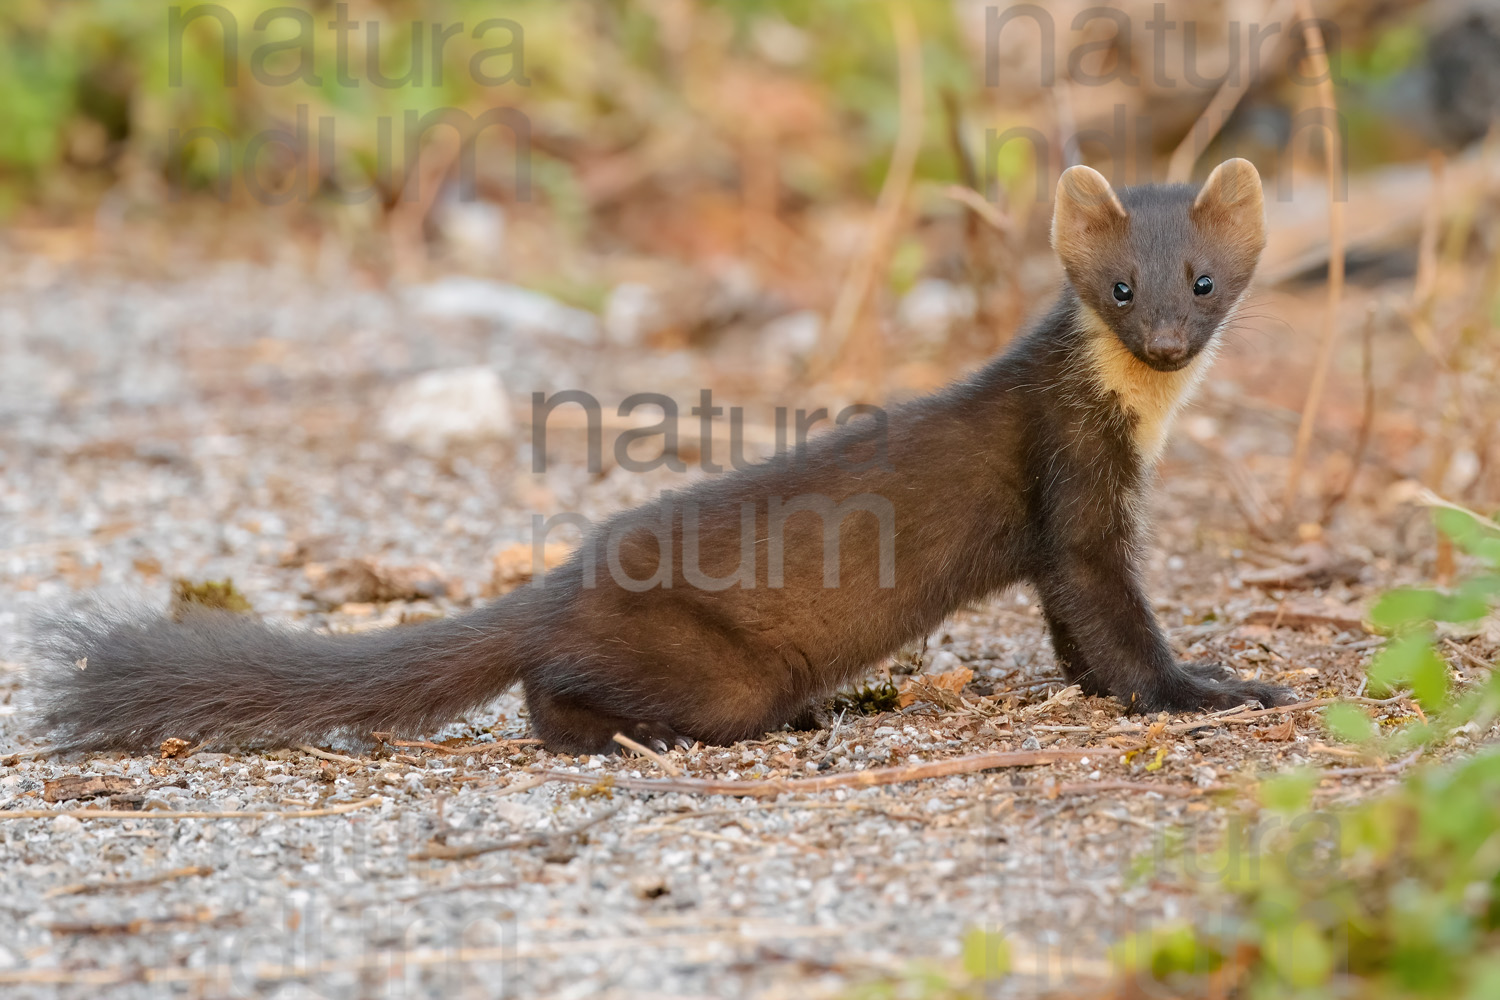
x: 111, y: 680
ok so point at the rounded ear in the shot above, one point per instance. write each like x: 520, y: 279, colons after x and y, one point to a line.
x: 1086, y: 207
x: 1232, y: 205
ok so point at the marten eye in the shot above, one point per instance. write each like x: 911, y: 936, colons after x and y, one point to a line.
x: 1203, y: 285
x: 1123, y: 294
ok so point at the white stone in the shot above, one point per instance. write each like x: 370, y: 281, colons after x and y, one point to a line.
x: 475, y: 229
x: 631, y: 312
x: 942, y: 661
x: 796, y: 334
x: 933, y: 307
x: 519, y: 309
x: 441, y: 408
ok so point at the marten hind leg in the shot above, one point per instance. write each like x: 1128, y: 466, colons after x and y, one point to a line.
x: 568, y: 725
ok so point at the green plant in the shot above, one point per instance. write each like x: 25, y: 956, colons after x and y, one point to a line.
x: 1415, y: 619
x: 984, y: 961
x: 1396, y: 897
x: 192, y: 91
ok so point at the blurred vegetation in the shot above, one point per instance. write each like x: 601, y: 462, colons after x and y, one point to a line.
x: 984, y: 961
x: 625, y: 94
x: 94, y: 89
x: 1396, y: 897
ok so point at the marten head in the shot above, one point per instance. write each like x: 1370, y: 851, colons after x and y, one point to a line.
x: 1161, y: 266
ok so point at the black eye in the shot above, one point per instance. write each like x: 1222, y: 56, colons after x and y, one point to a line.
x: 1203, y: 285
x: 1123, y: 294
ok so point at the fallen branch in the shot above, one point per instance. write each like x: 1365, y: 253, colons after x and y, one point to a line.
x: 515, y: 787
x: 771, y: 787
x: 380, y: 960
x: 85, y: 786
x: 11, y: 759
x: 1279, y: 618
x: 1320, y: 567
x: 337, y: 758
x: 454, y: 751
x: 1360, y: 772
x: 649, y: 754
x: 709, y: 835
x: 124, y: 885
x: 1121, y: 785
x: 337, y: 810
x: 90, y: 928
x: 444, y: 852
x: 1467, y: 656
x: 1222, y: 720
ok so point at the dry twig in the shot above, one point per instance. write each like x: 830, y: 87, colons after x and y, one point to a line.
x: 336, y: 758
x: 1317, y: 54
x: 337, y: 810
x: 891, y: 203
x: 462, y: 751
x: 1282, y: 618
x: 381, y: 961
x: 647, y: 752
x: 1467, y: 656
x: 125, y: 885
x: 1360, y: 772
x: 1121, y: 785
x: 771, y: 787
x: 1222, y: 719
x: 1366, y: 419
x: 457, y: 852
x: 1225, y: 100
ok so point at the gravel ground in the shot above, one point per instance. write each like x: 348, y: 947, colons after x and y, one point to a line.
x: 227, y: 425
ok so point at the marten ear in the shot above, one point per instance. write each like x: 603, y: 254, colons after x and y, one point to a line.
x: 1231, y: 206
x: 1086, y: 209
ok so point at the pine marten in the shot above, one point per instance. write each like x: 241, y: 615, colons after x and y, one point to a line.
x: 1035, y: 469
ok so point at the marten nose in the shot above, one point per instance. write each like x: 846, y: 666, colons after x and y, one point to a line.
x: 1166, y: 347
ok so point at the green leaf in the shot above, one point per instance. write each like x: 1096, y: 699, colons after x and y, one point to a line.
x: 1484, y: 981
x: 1290, y: 792
x: 1165, y: 950
x: 1399, y: 662
x: 1429, y: 680
x: 1349, y: 723
x: 1410, y: 661
x: 986, y: 955
x: 1471, y: 601
x: 1300, y: 955
x: 1398, y: 610
x: 1459, y: 526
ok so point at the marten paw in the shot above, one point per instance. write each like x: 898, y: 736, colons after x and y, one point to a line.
x: 813, y: 718
x: 656, y: 736
x: 1209, y: 687
x: 1210, y: 670
x: 1224, y: 690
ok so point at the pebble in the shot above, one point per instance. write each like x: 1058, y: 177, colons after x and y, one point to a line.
x: 439, y: 409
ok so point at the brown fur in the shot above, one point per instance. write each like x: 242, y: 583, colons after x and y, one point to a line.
x: 1028, y: 471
